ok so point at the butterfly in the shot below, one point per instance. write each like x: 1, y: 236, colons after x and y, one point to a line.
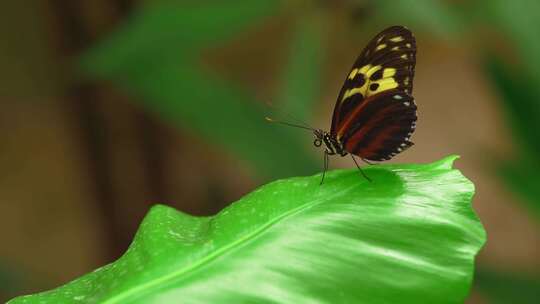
x: 375, y: 114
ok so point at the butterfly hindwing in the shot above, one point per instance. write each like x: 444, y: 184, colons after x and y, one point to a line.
x: 381, y: 126
x: 386, y: 63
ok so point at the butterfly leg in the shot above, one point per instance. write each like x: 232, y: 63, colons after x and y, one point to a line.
x: 325, y: 166
x: 358, y: 166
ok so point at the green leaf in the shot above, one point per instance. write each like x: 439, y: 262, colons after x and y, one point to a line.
x: 504, y: 288
x: 410, y: 236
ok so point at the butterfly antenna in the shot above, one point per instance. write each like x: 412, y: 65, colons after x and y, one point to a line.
x: 289, y: 124
x: 289, y: 115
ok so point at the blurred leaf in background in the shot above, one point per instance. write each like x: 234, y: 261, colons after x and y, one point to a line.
x: 503, y: 288
x: 11, y: 281
x: 519, y: 21
x: 156, y: 55
x: 522, y: 108
x: 300, y: 87
x: 444, y: 19
x: 518, y: 85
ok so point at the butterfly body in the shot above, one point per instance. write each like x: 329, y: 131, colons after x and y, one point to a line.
x: 375, y: 114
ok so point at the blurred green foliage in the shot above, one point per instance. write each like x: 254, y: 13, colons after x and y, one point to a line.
x: 301, y: 80
x: 294, y: 241
x: 522, y: 108
x: 10, y: 281
x: 156, y: 56
x: 503, y: 288
x: 518, y: 22
x: 440, y: 17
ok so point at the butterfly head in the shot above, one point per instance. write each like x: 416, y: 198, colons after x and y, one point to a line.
x: 332, y: 145
x: 319, y: 137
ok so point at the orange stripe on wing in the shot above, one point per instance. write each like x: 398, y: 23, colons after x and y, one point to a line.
x: 374, y: 122
x: 374, y: 147
x: 350, y: 118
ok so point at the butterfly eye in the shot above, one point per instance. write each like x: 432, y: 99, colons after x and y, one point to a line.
x: 317, y: 142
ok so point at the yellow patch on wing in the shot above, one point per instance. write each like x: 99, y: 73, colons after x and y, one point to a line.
x: 396, y: 39
x: 408, y: 45
x: 353, y: 74
x: 396, y: 48
x: 404, y: 56
x: 353, y: 91
x: 367, y: 71
x: 380, y: 47
x: 384, y: 84
x: 389, y: 72
x: 387, y: 81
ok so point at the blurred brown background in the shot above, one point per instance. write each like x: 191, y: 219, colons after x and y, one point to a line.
x: 85, y: 151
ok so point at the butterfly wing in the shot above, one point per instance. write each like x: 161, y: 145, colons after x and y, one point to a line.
x: 386, y: 63
x: 381, y: 126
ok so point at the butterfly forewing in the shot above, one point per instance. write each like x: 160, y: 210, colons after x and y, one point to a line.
x: 386, y: 63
